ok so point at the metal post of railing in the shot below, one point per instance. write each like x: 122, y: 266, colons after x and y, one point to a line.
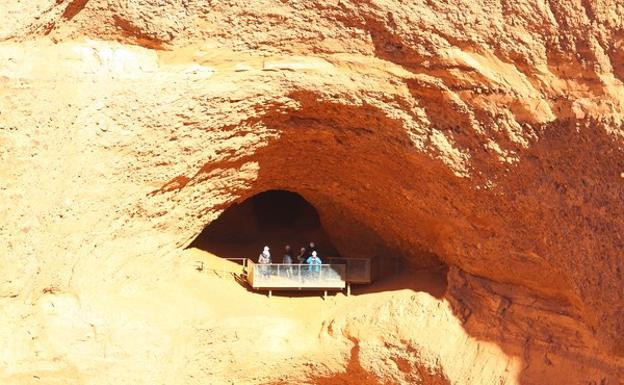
x: 278, y: 270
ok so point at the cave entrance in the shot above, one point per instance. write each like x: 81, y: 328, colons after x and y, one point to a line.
x: 277, y: 218
x: 274, y: 218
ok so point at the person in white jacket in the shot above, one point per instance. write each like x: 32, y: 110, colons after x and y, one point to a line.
x: 264, y: 259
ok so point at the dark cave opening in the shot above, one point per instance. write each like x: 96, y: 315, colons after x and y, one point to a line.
x: 273, y: 218
x: 277, y: 218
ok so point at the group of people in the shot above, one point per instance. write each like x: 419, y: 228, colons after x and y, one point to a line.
x: 307, y: 256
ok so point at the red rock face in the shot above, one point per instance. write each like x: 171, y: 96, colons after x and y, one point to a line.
x: 485, y: 137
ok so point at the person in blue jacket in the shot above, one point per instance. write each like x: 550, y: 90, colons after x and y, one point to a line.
x: 314, y: 263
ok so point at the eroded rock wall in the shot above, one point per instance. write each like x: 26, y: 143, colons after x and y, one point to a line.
x: 486, y: 136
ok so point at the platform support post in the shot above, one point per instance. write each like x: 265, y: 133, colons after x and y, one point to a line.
x: 324, y: 294
x: 348, y: 289
x: 270, y: 293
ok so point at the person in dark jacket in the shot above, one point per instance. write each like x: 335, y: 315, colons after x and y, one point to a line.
x: 287, y: 260
x: 302, y: 256
x: 312, y: 248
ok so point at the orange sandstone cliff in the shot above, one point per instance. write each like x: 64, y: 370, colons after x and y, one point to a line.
x: 485, y: 137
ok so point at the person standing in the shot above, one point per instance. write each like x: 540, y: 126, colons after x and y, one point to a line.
x: 302, y: 256
x: 300, y: 260
x: 264, y: 259
x: 287, y: 260
x: 265, y: 256
x: 314, y: 265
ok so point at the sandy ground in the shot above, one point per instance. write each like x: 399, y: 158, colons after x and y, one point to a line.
x: 198, y: 327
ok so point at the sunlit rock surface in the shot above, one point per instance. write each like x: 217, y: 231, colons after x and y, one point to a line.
x: 482, y: 136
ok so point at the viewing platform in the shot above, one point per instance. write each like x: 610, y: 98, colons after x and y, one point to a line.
x: 334, y: 276
x: 277, y: 276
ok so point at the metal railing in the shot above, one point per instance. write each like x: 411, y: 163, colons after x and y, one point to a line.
x: 358, y: 270
x: 223, y: 266
x: 277, y: 275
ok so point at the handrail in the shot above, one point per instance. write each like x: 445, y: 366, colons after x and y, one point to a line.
x: 219, y: 266
x: 358, y: 270
x: 298, y: 275
x: 295, y: 264
x: 244, y: 260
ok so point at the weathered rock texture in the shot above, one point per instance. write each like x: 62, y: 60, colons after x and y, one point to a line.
x: 483, y: 135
